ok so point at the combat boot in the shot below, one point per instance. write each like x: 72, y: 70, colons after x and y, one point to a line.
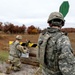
x: 16, y: 69
x: 8, y: 71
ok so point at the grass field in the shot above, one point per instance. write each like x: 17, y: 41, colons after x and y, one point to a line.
x: 4, y: 55
x: 5, y: 38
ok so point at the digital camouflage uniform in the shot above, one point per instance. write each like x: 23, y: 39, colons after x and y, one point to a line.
x: 15, y: 53
x: 55, y: 55
x: 66, y: 59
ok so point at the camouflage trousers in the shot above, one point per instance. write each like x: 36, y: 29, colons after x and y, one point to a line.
x: 43, y: 72
x: 15, y: 64
x: 46, y: 71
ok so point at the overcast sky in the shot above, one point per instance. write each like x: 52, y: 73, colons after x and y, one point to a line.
x: 34, y: 12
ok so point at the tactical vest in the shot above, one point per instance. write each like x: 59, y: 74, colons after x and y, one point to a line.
x: 53, y: 52
x: 13, y: 50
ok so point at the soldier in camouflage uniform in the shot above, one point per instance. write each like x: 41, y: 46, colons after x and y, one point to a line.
x: 14, y: 55
x: 55, y: 53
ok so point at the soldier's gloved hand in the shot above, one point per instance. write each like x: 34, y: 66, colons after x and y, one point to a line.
x: 25, y: 51
x: 8, y: 62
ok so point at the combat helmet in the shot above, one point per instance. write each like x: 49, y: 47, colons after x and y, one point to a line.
x: 19, y: 37
x: 56, y: 18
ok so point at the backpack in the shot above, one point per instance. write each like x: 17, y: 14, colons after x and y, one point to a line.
x: 42, y: 47
x: 13, y: 51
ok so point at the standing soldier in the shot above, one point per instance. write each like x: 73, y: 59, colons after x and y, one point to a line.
x: 55, y: 53
x: 14, y: 55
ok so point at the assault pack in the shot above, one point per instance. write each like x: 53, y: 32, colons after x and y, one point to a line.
x: 49, y: 37
x: 13, y: 51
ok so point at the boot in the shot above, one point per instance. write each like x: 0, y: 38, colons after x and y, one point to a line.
x: 16, y: 69
x: 8, y: 71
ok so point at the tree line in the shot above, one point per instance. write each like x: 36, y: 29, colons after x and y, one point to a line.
x: 68, y: 30
x: 14, y: 29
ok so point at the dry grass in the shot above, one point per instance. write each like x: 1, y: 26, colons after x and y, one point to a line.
x: 5, y: 38
x: 72, y: 39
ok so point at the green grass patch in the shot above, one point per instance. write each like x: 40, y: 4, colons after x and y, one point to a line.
x: 3, y: 55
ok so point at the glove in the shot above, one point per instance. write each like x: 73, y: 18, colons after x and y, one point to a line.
x: 25, y: 51
x: 8, y: 62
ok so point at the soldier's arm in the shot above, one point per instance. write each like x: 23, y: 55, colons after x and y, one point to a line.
x: 22, y: 48
x: 66, y: 58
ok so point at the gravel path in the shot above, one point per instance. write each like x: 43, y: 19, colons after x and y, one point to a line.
x: 26, y: 70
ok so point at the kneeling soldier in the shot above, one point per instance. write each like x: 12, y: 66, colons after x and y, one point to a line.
x: 15, y: 53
